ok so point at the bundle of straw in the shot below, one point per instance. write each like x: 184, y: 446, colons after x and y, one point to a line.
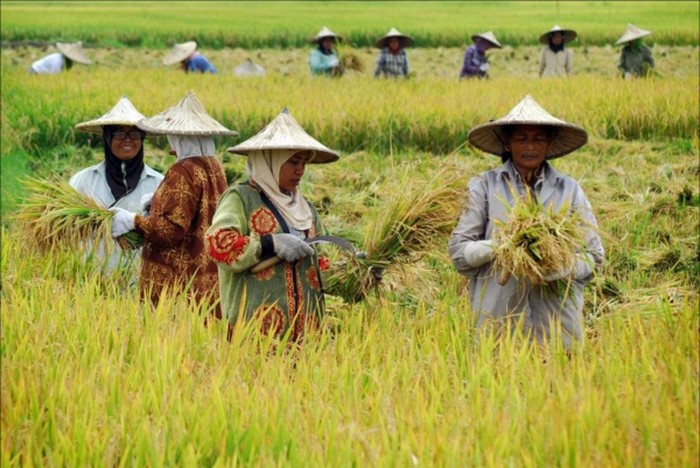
x: 53, y: 213
x: 400, y: 230
x: 535, y: 241
x: 351, y: 61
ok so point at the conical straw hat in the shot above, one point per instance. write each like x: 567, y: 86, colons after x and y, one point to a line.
x: 490, y: 137
x: 187, y: 117
x: 74, y: 51
x: 632, y: 33
x: 569, y: 34
x: 285, y: 133
x: 404, y: 40
x: 180, y: 52
x: 325, y: 32
x: 489, y: 36
x: 123, y: 113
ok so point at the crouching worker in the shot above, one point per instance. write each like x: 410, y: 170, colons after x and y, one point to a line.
x: 525, y: 140
x: 174, y: 257
x: 264, y: 217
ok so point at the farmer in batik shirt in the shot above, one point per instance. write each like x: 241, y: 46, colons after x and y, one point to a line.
x: 393, y: 61
x: 635, y: 59
x: 267, y: 216
x: 525, y: 139
x: 174, y: 254
x: 475, y: 63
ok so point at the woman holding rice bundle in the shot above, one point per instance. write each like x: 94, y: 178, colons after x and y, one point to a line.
x: 267, y: 216
x: 323, y: 59
x: 122, y: 179
x: 174, y: 255
x: 525, y: 139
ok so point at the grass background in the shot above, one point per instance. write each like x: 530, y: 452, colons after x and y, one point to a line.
x: 290, y: 24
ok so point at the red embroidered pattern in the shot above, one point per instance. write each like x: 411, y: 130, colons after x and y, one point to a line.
x: 263, y: 221
x: 324, y: 264
x: 265, y: 274
x: 271, y: 319
x: 312, y: 278
x: 226, y: 245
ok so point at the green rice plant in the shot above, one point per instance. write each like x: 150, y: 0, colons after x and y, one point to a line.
x: 535, y: 241
x: 53, y: 213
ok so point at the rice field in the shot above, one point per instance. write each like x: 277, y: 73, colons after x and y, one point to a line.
x: 91, y: 376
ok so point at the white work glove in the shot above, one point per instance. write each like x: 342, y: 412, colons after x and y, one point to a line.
x: 290, y: 248
x: 581, y: 269
x: 146, y: 202
x: 122, y: 222
x: 334, y: 62
x: 478, y: 252
x: 484, y: 67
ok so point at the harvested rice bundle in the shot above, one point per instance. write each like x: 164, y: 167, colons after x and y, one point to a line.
x: 54, y: 213
x: 351, y: 61
x: 536, y: 241
x: 399, y: 230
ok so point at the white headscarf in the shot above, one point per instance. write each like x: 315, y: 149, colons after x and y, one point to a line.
x: 264, y: 168
x: 190, y: 146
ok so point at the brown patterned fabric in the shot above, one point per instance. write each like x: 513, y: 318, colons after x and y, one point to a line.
x: 174, y: 253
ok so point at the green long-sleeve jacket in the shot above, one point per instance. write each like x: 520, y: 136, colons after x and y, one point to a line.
x: 633, y: 60
x: 284, y: 295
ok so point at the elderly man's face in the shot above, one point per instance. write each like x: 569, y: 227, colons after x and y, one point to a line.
x: 528, y: 144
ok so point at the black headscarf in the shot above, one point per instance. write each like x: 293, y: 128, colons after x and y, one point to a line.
x: 132, y: 169
x: 556, y: 48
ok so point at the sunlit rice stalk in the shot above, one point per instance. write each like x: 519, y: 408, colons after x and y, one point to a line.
x: 536, y: 240
x: 400, y: 230
x: 53, y: 213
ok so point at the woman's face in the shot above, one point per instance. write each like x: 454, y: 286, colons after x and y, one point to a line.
x: 292, y: 170
x: 394, y: 43
x: 126, y: 142
x: 327, y: 43
x: 557, y: 38
x: 528, y: 144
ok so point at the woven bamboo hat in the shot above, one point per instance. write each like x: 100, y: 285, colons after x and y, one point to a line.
x: 123, y: 113
x: 489, y: 36
x: 490, y: 136
x: 325, y: 32
x: 180, y: 52
x: 632, y: 33
x: 404, y: 40
x: 74, y: 51
x: 248, y: 68
x: 187, y: 117
x: 569, y: 34
x: 285, y: 133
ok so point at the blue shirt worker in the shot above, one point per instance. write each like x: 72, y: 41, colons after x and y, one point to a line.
x: 323, y: 59
x: 190, y: 60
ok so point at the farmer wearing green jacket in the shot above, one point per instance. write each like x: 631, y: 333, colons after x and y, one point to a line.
x: 267, y: 216
x: 635, y: 59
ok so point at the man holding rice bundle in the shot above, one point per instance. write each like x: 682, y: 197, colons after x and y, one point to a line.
x: 174, y: 255
x: 525, y: 139
x: 123, y: 178
x: 264, y: 217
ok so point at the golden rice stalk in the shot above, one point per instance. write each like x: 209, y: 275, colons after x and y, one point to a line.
x: 351, y: 61
x: 399, y: 230
x: 535, y: 241
x: 53, y: 213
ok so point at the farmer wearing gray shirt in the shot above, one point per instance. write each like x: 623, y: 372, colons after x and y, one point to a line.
x: 524, y: 139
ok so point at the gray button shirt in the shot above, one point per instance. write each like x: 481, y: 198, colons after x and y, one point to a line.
x: 537, y: 306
